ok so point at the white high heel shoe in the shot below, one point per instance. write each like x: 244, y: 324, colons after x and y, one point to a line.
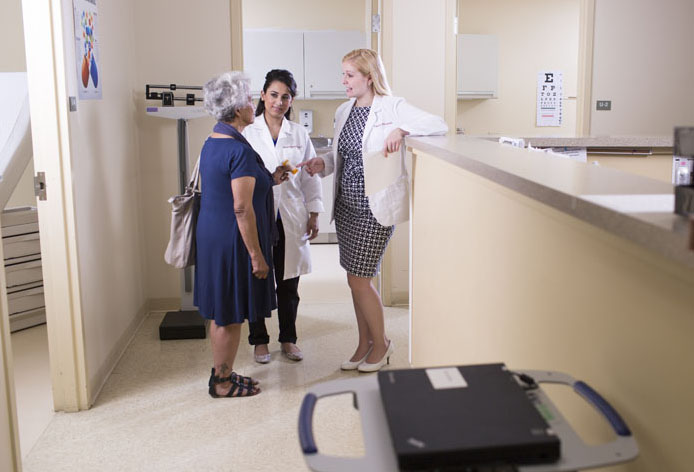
x: 366, y: 367
x: 352, y: 365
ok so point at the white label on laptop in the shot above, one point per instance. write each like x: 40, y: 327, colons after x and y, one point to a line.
x: 446, y: 377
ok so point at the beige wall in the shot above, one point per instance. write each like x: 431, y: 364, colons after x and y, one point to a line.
x: 12, y: 60
x: 106, y: 190
x: 164, y: 56
x: 643, y: 63
x: 12, y: 37
x: 415, y: 41
x: 537, y: 289
x: 534, y: 35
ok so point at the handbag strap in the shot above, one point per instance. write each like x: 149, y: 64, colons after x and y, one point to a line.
x: 194, y: 182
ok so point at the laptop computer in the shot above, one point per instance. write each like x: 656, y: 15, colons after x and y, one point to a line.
x: 452, y: 417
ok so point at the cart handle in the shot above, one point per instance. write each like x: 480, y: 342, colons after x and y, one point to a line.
x: 308, y: 445
x: 618, y: 424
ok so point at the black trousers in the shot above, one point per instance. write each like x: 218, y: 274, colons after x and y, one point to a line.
x: 287, y: 300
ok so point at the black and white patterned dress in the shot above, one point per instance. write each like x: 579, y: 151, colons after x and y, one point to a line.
x: 361, y: 239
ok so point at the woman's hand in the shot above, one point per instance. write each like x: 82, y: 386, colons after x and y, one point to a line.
x: 393, y: 141
x: 259, y: 266
x: 313, y: 166
x: 281, y: 174
x: 312, y: 226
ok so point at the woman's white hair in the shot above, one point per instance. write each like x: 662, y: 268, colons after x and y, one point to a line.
x: 225, y: 94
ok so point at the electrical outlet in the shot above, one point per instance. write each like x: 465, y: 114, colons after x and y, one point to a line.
x: 604, y: 105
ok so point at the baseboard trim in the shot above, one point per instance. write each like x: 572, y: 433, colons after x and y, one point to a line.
x: 163, y: 304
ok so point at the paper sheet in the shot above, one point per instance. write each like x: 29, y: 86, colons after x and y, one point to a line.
x: 380, y: 171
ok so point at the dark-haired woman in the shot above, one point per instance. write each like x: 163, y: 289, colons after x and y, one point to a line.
x: 297, y: 203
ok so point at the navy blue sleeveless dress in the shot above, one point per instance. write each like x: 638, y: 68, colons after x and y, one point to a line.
x: 225, y: 288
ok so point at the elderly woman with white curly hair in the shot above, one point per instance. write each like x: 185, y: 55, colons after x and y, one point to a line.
x: 235, y: 231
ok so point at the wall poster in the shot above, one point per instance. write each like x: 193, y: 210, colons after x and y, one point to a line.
x: 87, y: 49
x: 550, y: 91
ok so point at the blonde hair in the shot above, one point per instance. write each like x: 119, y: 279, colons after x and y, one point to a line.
x: 369, y: 63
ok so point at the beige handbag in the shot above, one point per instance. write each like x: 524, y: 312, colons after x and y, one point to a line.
x: 180, y: 252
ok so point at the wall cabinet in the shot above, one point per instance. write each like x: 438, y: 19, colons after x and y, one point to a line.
x: 314, y: 57
x: 478, y: 64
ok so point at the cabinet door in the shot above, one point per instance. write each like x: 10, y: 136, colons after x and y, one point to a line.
x: 477, y: 66
x: 323, y: 52
x: 264, y: 50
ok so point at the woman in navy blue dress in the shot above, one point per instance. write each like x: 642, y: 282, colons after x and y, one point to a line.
x: 235, y: 232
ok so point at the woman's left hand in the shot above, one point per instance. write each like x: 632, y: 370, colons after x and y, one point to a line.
x: 312, y: 226
x: 393, y: 141
x: 281, y: 174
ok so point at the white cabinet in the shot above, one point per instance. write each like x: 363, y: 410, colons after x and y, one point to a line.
x: 478, y: 59
x: 323, y: 53
x: 314, y: 57
x: 264, y: 50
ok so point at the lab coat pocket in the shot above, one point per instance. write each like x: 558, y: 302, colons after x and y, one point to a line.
x: 295, y: 219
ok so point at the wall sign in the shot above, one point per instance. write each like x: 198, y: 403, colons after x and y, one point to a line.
x: 87, y: 49
x: 550, y: 90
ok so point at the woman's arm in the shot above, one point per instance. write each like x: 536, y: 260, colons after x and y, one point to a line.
x: 242, y: 190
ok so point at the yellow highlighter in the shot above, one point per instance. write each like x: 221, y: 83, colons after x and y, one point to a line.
x: 286, y: 163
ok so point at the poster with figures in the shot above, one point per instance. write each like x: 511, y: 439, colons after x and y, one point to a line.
x: 87, y: 49
x: 550, y: 91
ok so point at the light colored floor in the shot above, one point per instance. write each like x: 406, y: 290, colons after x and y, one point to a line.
x: 154, y: 413
x: 32, y: 379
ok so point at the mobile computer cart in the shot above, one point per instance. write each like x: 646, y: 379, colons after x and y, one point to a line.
x: 380, y: 457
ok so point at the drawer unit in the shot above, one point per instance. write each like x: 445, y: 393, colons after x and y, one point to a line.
x: 23, y: 273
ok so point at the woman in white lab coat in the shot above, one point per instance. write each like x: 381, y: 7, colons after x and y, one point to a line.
x: 297, y: 203
x: 371, y: 121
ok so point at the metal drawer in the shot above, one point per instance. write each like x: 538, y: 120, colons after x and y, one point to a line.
x: 20, y: 246
x: 25, y: 300
x: 23, y: 273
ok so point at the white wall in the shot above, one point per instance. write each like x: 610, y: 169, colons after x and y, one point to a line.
x: 534, y: 35
x: 106, y: 191
x: 643, y: 63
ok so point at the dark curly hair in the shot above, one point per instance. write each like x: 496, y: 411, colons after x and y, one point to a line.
x: 279, y: 75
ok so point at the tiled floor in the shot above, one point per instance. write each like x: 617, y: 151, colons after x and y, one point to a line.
x: 154, y: 412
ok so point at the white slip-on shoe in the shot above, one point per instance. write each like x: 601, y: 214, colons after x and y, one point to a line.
x: 352, y: 365
x: 262, y: 358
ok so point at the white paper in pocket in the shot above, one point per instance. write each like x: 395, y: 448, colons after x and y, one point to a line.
x: 380, y: 171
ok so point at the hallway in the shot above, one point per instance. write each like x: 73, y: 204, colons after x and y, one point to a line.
x: 154, y: 413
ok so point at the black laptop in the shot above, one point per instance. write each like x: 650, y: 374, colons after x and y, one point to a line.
x: 456, y: 417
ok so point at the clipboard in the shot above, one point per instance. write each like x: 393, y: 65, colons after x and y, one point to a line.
x: 381, y: 171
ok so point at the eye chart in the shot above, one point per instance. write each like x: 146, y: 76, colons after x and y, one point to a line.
x: 550, y: 90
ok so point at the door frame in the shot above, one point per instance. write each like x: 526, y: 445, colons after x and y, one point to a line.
x: 44, y: 35
x: 586, y: 35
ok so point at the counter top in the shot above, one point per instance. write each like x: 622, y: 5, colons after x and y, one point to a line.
x: 639, y: 142
x: 633, y: 207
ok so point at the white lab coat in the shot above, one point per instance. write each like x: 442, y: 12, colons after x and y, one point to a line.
x: 296, y: 197
x: 386, y: 114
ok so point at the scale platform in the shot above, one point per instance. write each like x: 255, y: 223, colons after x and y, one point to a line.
x: 380, y: 454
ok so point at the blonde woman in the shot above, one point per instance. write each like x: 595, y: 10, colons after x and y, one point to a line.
x: 372, y: 120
